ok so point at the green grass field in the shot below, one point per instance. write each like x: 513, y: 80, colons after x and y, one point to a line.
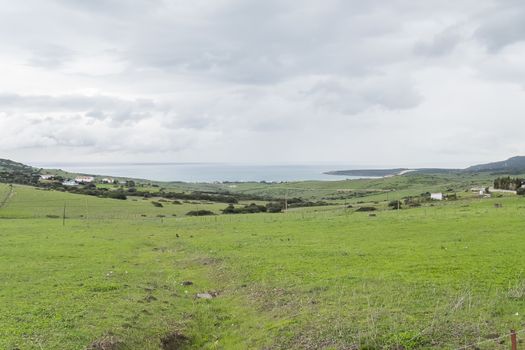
x: 440, y: 276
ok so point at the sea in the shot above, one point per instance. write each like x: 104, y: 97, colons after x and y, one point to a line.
x: 206, y: 172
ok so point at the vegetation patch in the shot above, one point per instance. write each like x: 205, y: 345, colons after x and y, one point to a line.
x: 366, y: 209
x: 201, y: 212
x: 174, y: 341
x: 106, y: 343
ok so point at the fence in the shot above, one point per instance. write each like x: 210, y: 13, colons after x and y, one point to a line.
x: 501, y: 340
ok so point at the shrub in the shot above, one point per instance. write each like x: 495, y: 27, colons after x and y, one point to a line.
x: 274, y: 207
x: 157, y: 204
x: 395, y: 204
x: 366, y: 209
x: 116, y: 195
x: 201, y: 212
x: 247, y: 209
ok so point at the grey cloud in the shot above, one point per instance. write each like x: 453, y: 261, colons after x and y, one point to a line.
x: 266, y: 42
x: 51, y: 56
x: 502, y: 26
x: 353, y: 97
x: 441, y: 44
x: 97, y: 107
x: 229, y: 75
x: 113, y: 7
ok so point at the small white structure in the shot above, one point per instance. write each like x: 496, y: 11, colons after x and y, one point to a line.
x: 107, y: 180
x: 70, y: 183
x: 84, y: 179
x: 47, y: 177
x: 436, y: 196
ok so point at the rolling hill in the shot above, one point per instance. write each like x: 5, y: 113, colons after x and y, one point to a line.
x: 514, y: 165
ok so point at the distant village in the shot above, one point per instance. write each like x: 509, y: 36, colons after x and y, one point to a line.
x: 82, y: 180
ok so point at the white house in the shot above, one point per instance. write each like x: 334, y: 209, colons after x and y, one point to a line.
x: 70, y: 183
x: 84, y: 179
x: 107, y: 180
x: 436, y: 196
x: 47, y: 177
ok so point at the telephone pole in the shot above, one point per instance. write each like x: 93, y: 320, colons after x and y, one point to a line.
x: 64, y: 215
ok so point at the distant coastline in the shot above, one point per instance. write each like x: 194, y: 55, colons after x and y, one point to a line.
x: 370, y: 172
x: 207, y: 172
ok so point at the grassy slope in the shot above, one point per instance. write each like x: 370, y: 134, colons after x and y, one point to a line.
x: 429, y: 277
x: 29, y: 202
x: 397, y: 186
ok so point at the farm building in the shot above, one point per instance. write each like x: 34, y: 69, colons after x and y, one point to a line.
x: 107, y: 180
x: 70, y: 183
x: 47, y: 177
x: 84, y: 179
x: 436, y: 196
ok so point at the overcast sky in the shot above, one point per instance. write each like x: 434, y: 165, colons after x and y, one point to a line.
x: 392, y: 82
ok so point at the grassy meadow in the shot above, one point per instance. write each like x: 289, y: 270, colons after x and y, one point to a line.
x: 126, y: 274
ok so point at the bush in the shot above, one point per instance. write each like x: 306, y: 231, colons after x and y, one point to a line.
x: 521, y: 191
x: 395, y: 204
x: 157, y: 204
x: 366, y: 209
x: 201, y: 212
x: 274, y: 207
x: 116, y: 195
x: 247, y: 209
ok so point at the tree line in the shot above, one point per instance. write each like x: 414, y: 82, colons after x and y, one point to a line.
x: 508, y: 183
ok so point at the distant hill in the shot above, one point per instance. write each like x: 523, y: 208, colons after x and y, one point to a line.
x: 7, y: 165
x: 511, y: 165
x: 514, y: 165
x: 13, y: 172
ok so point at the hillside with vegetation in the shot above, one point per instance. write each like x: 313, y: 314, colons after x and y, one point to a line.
x: 353, y: 264
x: 100, y: 273
x: 514, y: 165
x: 13, y: 172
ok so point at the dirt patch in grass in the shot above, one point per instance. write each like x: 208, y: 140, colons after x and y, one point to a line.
x: 106, y: 343
x: 206, y: 261
x: 174, y: 341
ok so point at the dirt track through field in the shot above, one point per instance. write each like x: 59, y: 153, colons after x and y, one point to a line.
x: 7, y: 197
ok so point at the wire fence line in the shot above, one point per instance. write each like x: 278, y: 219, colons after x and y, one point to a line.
x: 512, y: 335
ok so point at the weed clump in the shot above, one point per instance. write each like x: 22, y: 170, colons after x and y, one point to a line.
x: 366, y: 209
x: 106, y: 343
x: 173, y: 341
x: 201, y: 212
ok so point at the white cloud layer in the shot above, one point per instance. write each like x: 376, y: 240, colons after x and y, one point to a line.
x: 400, y: 82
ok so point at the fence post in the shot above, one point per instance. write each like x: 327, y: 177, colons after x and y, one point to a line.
x: 513, y: 339
x: 64, y: 215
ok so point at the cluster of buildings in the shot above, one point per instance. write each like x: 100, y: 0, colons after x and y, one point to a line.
x: 481, y: 191
x: 79, y: 180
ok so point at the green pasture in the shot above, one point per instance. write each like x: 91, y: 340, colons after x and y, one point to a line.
x: 441, y: 276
